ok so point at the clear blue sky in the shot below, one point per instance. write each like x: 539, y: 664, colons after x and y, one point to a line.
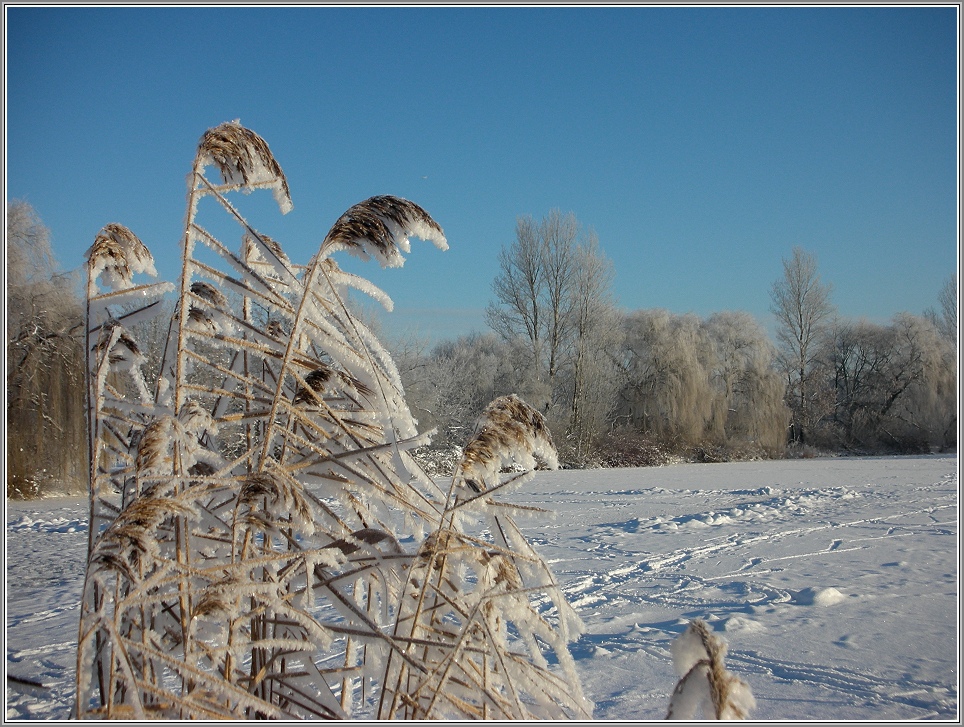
x: 701, y: 144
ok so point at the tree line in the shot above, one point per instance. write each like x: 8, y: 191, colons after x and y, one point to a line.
x: 863, y: 386
x: 617, y: 388
x: 649, y: 386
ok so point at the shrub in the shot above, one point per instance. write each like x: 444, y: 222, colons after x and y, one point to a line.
x: 627, y: 448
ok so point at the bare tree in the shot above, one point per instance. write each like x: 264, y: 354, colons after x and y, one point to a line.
x: 533, y: 291
x: 595, y: 331
x: 801, y: 304
x: 447, y: 386
x: 519, y: 289
x: 894, y: 385
x: 946, y: 319
x: 45, y: 377
x: 948, y: 301
x: 560, y: 234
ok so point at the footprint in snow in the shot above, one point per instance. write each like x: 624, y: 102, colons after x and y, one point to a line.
x: 846, y: 642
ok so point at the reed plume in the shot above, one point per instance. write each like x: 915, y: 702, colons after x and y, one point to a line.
x: 381, y: 226
x: 243, y: 158
x: 116, y: 255
x: 508, y: 432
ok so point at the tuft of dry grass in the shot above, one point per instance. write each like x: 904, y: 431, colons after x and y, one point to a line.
x: 705, y: 683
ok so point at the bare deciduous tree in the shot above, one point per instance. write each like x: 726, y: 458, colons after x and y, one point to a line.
x: 554, y: 292
x: 519, y: 289
x: 595, y: 334
x: 560, y: 235
x: 533, y: 291
x: 894, y: 385
x: 450, y: 384
x: 948, y: 302
x: 945, y: 320
x: 801, y: 304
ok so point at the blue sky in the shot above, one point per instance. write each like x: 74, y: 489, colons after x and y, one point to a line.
x: 701, y: 144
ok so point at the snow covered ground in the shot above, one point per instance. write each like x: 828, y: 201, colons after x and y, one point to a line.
x: 834, y: 582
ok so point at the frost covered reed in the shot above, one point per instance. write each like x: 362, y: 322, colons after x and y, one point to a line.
x: 705, y: 684
x: 479, y: 646
x: 380, y: 226
x: 244, y: 159
x: 508, y: 432
x: 262, y: 542
x: 118, y: 254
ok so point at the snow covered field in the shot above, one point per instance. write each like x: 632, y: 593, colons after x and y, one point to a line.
x: 834, y: 581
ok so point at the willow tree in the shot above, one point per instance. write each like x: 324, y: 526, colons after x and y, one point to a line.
x: 667, y: 392
x: 45, y: 383
x: 749, y: 408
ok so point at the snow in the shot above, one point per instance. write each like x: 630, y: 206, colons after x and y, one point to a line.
x: 832, y: 581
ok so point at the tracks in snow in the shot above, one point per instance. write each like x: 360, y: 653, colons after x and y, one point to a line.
x: 852, y: 684
x: 624, y: 579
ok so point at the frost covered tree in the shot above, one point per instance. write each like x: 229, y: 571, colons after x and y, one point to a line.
x: 945, y: 319
x: 455, y: 380
x: 595, y: 337
x: 519, y: 290
x: 534, y: 295
x: 801, y: 304
x: 749, y: 408
x: 695, y: 385
x: 45, y: 427
x: 263, y: 544
x: 895, y: 385
x: 559, y: 235
x: 667, y: 390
